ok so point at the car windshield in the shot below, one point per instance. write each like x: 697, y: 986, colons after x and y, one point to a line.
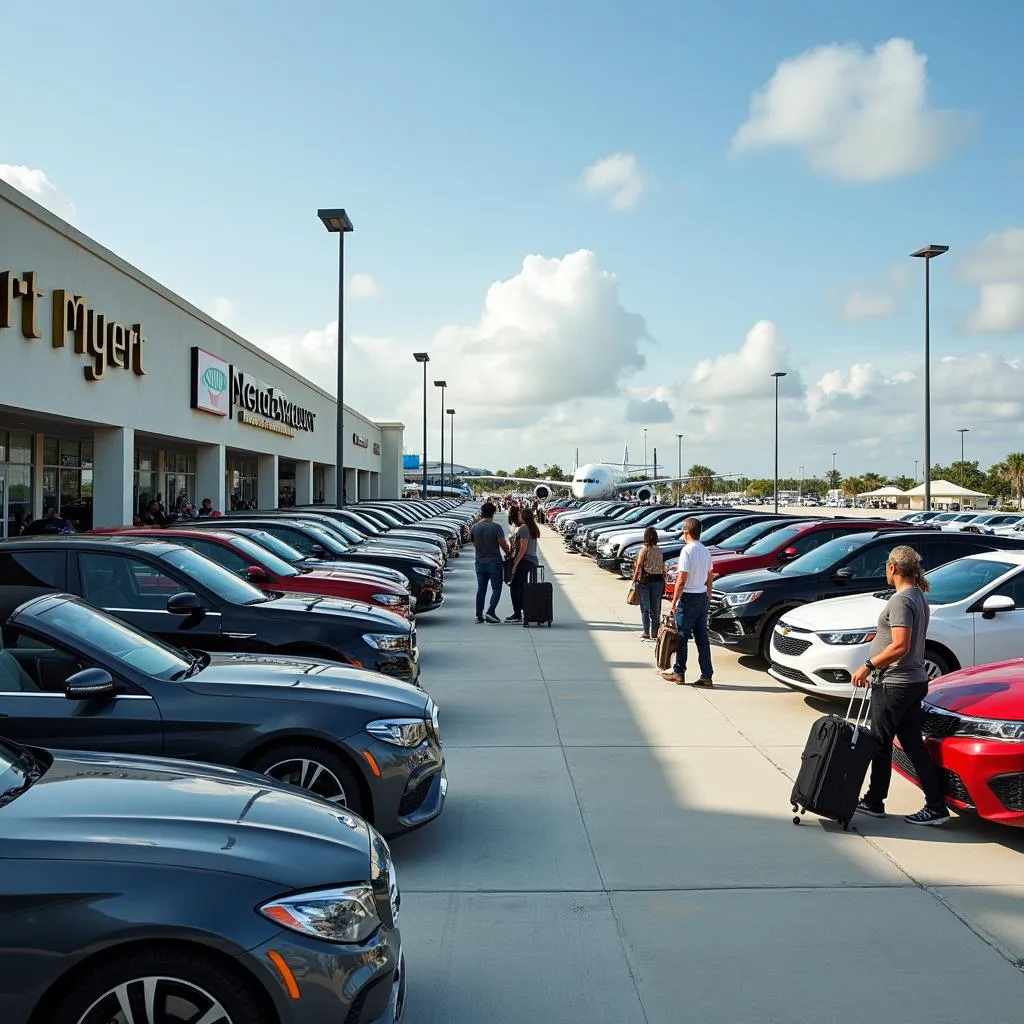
x: 215, y: 578
x: 130, y: 647
x: 278, y: 547
x: 822, y: 559
x: 267, y: 558
x: 338, y: 529
x: 768, y: 544
x: 740, y: 540
x: 708, y: 536
x: 957, y: 581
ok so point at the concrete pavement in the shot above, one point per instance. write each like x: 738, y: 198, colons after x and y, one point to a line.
x: 618, y: 849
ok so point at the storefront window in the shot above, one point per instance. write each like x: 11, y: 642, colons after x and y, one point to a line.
x: 179, y: 480
x: 67, y: 479
x: 145, y: 478
x: 285, y: 483
x: 319, y: 484
x: 243, y: 482
x: 16, y: 465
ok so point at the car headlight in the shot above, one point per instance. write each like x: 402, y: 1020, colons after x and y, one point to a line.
x: 342, y: 915
x: 849, y: 637
x: 742, y: 597
x: 390, y: 600
x: 990, y: 729
x: 402, y: 732
x: 388, y: 641
x: 420, y: 570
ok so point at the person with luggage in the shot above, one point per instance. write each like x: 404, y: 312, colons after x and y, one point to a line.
x: 899, y: 682
x: 488, y: 540
x: 525, y: 560
x: 690, y: 600
x: 649, y: 580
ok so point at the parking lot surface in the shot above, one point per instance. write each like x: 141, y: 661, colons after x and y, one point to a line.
x: 619, y: 849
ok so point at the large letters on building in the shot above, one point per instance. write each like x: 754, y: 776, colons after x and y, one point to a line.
x: 253, y: 396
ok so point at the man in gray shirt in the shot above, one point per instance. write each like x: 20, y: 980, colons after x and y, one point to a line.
x: 488, y: 539
x: 896, y: 658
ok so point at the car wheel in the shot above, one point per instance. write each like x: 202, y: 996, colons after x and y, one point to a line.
x: 935, y: 663
x: 171, y: 987
x: 315, y: 769
x: 766, y: 637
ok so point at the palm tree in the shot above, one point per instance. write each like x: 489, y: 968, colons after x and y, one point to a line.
x: 872, y: 481
x: 702, y: 477
x: 833, y: 476
x: 1013, y: 471
x: 852, y: 486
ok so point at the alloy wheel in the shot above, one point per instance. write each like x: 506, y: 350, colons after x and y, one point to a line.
x: 933, y: 671
x: 156, y: 1000
x: 312, y: 776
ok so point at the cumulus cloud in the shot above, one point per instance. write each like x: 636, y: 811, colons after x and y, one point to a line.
x: 866, y: 299
x: 649, y: 410
x: 36, y: 185
x: 996, y: 265
x: 362, y: 286
x: 617, y: 178
x: 746, y: 373
x: 854, y: 115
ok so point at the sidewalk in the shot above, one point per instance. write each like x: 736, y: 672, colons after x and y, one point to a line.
x: 617, y: 849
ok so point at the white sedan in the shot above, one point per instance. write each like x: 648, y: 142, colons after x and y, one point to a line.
x: 977, y: 616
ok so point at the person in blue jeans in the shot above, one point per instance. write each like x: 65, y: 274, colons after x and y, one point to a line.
x: 690, y: 600
x: 649, y: 580
x: 488, y: 540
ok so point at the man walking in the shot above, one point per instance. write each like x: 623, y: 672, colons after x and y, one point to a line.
x: 690, y: 606
x: 488, y: 539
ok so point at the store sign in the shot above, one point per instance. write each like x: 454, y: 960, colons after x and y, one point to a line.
x: 252, y: 396
x: 211, y: 380
x: 105, y: 343
x: 360, y: 442
x: 376, y: 448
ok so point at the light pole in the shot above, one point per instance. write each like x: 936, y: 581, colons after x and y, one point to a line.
x: 645, y: 453
x: 442, y: 384
x: 928, y: 253
x: 777, y: 375
x: 337, y: 222
x: 679, y: 470
x: 916, y: 462
x: 961, y: 432
x: 451, y: 445
x: 800, y: 491
x: 424, y: 358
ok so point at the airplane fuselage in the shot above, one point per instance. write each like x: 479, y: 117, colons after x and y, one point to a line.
x: 597, y: 481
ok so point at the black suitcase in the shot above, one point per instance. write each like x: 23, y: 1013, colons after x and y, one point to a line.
x: 833, y: 766
x: 538, y: 599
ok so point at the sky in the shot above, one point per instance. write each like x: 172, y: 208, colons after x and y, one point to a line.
x: 596, y: 217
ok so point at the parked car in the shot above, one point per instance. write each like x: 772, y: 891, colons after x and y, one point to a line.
x: 188, y: 601
x: 977, y: 616
x: 138, y: 889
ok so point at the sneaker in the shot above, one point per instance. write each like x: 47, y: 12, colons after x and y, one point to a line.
x: 705, y: 682
x: 645, y: 636
x: 514, y: 618
x: 479, y: 618
x: 491, y: 617
x: 928, y: 816
x: 672, y: 677
x: 873, y: 810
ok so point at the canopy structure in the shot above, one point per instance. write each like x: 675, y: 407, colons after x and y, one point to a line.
x: 883, y: 492
x: 946, y: 493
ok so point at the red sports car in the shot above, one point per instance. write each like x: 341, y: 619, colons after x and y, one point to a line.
x: 974, y: 728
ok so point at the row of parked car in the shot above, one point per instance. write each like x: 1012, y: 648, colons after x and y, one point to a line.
x: 206, y: 731
x: 803, y: 594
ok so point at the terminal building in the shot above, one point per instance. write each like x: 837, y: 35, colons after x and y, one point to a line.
x: 114, y: 391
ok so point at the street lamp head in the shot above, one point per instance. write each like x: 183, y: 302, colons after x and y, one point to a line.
x: 421, y: 357
x: 929, y: 252
x: 451, y: 412
x: 440, y: 383
x: 780, y: 373
x: 335, y: 220
x: 963, y: 430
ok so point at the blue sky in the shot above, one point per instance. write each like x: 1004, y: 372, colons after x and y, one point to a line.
x: 197, y: 140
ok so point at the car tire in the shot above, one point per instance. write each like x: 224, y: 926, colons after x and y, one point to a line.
x: 188, y: 981
x: 939, y: 659
x: 316, y: 769
x: 765, y: 646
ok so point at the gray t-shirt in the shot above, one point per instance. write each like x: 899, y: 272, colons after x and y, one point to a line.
x: 906, y: 608
x: 523, y: 537
x: 485, y: 536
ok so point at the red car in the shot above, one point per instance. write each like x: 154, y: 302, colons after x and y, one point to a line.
x: 974, y: 729
x: 789, y: 541
x: 264, y: 569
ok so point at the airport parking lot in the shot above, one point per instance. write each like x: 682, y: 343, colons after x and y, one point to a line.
x: 618, y: 849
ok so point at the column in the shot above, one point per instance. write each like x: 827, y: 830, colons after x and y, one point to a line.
x: 303, y: 483
x: 392, y: 476
x: 113, y: 454
x: 267, y: 481
x: 352, y: 485
x: 211, y: 474
x: 330, y: 476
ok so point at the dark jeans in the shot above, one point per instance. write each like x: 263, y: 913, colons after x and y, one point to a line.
x: 525, y: 572
x: 692, y: 619
x: 650, y: 594
x: 494, y: 574
x: 896, y: 711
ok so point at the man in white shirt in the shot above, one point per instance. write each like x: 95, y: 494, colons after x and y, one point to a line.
x: 690, y: 606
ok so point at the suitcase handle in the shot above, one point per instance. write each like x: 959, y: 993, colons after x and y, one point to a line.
x: 861, y: 721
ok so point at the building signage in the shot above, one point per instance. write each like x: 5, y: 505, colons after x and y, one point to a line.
x: 105, y: 343
x: 211, y: 380
x: 249, y: 395
x: 376, y: 448
x: 360, y: 442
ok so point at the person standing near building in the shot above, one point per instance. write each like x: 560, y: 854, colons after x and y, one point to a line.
x: 896, y: 660
x: 488, y: 540
x: 649, y: 580
x: 690, y: 600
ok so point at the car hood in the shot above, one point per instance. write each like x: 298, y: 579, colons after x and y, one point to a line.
x: 314, y: 604
x: 358, y: 569
x: 857, y: 611
x: 142, y: 810
x: 989, y: 691
x: 340, y: 576
x: 297, y: 678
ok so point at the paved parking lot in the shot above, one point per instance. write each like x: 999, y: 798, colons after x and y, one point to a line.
x: 617, y: 849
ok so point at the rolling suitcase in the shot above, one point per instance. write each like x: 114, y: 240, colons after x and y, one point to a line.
x: 833, y: 765
x: 667, y: 645
x: 538, y: 599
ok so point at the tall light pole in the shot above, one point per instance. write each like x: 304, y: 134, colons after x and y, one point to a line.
x: 778, y: 374
x: 916, y: 462
x: 928, y: 253
x: 961, y: 432
x: 679, y: 471
x: 645, y: 453
x: 800, y: 491
x: 424, y: 358
x: 337, y: 222
x: 451, y: 445
x: 442, y: 384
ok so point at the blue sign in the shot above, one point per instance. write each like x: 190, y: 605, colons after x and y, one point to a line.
x: 410, y: 462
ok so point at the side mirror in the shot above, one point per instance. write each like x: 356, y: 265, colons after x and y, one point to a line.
x: 185, y: 603
x: 996, y: 603
x: 254, y: 574
x: 318, y: 551
x: 845, y: 573
x: 788, y: 554
x: 89, y: 684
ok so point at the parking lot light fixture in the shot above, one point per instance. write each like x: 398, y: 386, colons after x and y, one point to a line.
x: 338, y: 222
x: 424, y: 358
x: 778, y: 374
x: 961, y: 431
x: 442, y: 384
x: 679, y: 468
x: 928, y: 253
x: 451, y: 445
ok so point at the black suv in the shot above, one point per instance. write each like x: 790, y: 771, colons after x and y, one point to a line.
x: 745, y: 606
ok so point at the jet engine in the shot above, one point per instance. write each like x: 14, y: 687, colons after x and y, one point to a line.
x: 542, y: 492
x: 644, y: 493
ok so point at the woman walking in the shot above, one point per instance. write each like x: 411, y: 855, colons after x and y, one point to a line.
x: 525, y: 560
x: 649, y: 580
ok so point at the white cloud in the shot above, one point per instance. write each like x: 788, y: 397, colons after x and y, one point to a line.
x: 996, y: 265
x: 649, y: 410
x: 867, y: 299
x: 362, y: 286
x: 618, y: 178
x: 37, y: 186
x: 222, y: 310
x: 746, y: 373
x: 854, y: 115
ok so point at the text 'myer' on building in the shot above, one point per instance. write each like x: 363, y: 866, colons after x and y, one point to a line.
x: 114, y: 390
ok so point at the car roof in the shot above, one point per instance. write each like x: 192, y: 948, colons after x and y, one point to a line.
x: 1015, y: 557
x: 114, y: 541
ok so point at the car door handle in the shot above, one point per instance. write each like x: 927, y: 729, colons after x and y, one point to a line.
x: 239, y: 636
